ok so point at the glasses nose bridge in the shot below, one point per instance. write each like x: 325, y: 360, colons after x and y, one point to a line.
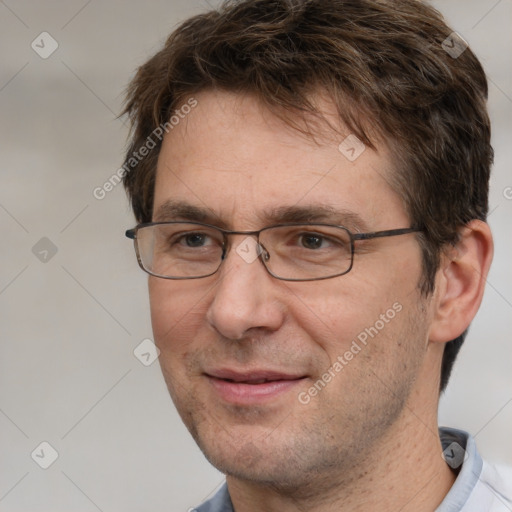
x: 255, y: 233
x: 227, y: 232
x: 260, y: 249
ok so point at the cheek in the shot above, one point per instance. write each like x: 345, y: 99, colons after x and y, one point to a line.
x: 177, y: 311
x: 336, y: 311
x: 177, y: 315
x: 353, y: 318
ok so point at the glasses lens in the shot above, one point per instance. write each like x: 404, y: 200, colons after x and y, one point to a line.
x: 179, y: 250
x: 295, y: 252
x: 307, y: 251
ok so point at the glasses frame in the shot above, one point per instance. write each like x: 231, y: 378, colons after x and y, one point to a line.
x: 132, y: 234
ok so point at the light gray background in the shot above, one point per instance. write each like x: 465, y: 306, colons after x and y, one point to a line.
x: 69, y: 326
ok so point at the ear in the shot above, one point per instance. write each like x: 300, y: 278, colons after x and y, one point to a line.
x: 460, y: 282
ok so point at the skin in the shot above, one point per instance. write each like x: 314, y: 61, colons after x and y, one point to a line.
x: 368, y: 440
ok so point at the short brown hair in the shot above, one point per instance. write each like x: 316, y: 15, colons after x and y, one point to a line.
x: 384, y: 63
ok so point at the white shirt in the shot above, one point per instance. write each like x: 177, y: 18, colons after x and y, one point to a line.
x: 479, y: 487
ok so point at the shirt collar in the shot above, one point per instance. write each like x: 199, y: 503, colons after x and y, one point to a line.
x: 460, y: 453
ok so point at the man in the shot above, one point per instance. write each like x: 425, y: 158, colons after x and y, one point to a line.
x: 310, y: 180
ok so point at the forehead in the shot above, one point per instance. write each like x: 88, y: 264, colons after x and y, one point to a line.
x: 234, y: 157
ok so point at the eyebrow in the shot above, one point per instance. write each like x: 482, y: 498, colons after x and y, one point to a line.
x: 181, y: 210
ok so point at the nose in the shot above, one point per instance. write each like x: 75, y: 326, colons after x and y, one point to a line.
x: 246, y: 298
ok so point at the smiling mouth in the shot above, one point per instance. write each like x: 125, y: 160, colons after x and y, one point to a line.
x: 251, y: 381
x: 252, y: 376
x: 252, y: 387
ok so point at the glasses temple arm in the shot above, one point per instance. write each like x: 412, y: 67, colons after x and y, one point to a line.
x: 381, y: 234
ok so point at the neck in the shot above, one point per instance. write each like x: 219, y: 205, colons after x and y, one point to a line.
x: 404, y: 472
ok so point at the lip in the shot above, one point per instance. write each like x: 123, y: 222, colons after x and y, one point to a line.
x: 251, y: 387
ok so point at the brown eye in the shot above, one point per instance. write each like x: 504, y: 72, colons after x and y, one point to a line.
x: 194, y: 239
x: 312, y: 241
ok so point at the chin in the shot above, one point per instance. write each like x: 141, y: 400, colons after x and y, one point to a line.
x: 277, y: 458
x: 256, y: 462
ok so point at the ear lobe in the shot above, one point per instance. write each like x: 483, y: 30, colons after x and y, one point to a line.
x: 460, y: 282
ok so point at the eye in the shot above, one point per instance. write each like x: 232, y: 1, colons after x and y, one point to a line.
x: 313, y: 241
x: 194, y: 240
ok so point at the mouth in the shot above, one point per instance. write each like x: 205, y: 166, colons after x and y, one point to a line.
x: 252, y: 387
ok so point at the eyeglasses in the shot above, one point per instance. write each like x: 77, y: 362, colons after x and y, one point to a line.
x: 291, y: 252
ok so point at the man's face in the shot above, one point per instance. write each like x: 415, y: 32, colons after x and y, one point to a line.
x: 220, y: 337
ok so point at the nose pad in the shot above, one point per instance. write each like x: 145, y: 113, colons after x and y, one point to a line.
x: 262, y: 251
